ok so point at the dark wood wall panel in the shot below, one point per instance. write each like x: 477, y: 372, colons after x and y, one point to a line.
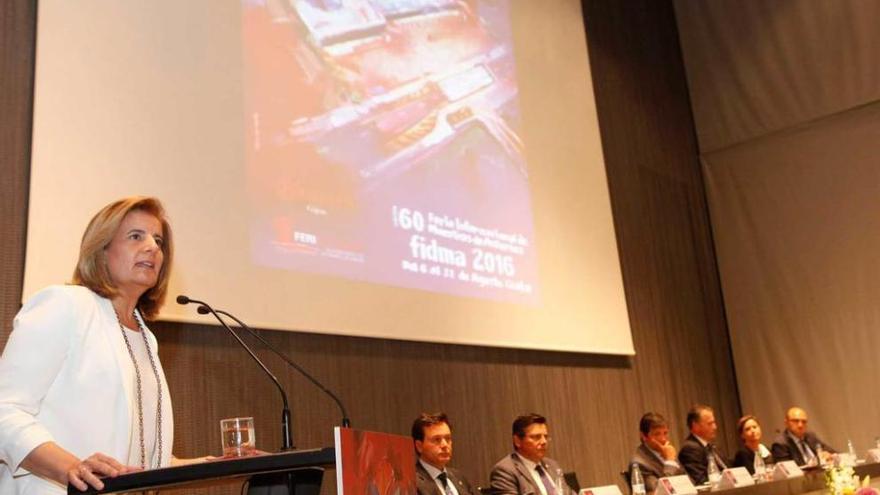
x: 17, y: 35
x: 660, y: 212
x: 593, y: 402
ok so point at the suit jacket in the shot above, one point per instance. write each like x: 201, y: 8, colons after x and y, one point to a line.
x: 693, y: 457
x: 511, y: 477
x: 745, y: 457
x: 427, y: 486
x: 784, y: 447
x: 66, y: 376
x: 652, y: 468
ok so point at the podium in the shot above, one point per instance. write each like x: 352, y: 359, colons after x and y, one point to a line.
x: 288, y: 473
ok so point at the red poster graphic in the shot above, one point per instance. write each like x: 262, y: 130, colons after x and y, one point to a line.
x: 373, y: 463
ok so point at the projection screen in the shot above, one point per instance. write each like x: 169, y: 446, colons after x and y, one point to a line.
x: 411, y: 169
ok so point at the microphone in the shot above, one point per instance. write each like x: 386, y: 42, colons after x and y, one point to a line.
x: 286, y: 433
x: 346, y: 422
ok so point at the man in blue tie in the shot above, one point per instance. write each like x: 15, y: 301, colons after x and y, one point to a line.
x: 528, y: 470
x: 432, y: 439
x: 798, y: 444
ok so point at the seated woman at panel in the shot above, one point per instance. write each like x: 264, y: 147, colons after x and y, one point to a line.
x: 82, y: 392
x: 750, y: 433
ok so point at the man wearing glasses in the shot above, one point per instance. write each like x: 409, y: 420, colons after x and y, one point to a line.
x: 528, y: 470
x: 799, y: 445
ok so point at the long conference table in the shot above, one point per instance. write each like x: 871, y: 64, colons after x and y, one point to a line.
x: 812, y: 483
x: 224, y: 472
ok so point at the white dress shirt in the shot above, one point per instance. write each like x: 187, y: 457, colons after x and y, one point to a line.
x: 532, y: 468
x: 434, y: 472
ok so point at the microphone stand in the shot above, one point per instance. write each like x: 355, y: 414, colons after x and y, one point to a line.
x: 286, y: 432
x: 346, y: 422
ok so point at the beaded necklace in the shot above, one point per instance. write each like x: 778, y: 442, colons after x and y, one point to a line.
x: 140, y: 403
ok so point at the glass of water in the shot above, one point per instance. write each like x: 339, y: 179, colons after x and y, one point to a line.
x: 237, y: 437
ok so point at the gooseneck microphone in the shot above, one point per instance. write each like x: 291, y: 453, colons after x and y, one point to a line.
x: 286, y: 432
x: 346, y: 423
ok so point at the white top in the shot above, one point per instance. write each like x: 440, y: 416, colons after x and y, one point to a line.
x: 66, y: 376
x: 150, y: 401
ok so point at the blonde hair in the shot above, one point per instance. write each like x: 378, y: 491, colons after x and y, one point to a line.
x: 91, y: 268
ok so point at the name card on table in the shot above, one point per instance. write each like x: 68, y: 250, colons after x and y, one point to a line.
x: 735, y: 478
x: 785, y: 470
x: 675, y: 485
x: 601, y: 490
x: 873, y: 455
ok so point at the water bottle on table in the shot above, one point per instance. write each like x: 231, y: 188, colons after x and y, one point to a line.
x: 560, y: 483
x: 636, y: 481
x: 760, y: 467
x: 712, y: 471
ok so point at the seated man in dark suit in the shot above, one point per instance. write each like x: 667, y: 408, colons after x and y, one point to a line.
x: 528, y: 470
x: 432, y: 439
x: 797, y: 444
x: 698, y: 446
x: 656, y: 455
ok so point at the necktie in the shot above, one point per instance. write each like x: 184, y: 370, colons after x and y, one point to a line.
x: 445, y: 482
x: 720, y: 462
x: 551, y: 490
x: 807, y: 452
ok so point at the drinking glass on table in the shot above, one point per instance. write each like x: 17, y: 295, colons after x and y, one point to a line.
x: 237, y: 437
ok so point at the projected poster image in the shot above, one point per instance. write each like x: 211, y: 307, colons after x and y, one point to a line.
x: 384, y: 144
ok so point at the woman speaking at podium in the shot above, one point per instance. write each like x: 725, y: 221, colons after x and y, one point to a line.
x: 82, y: 391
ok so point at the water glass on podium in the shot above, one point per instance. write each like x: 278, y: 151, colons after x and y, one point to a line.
x: 237, y: 437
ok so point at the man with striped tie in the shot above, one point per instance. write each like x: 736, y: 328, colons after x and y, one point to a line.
x: 528, y: 470
x: 798, y: 444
